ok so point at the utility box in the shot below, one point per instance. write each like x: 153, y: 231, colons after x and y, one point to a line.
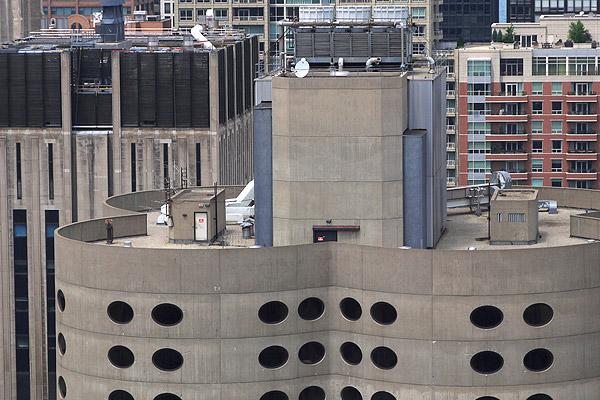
x: 197, y: 215
x: 514, y: 216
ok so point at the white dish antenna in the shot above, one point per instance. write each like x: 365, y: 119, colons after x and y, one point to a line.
x: 197, y: 34
x: 302, y: 68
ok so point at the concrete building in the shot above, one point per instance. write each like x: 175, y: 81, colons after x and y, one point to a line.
x: 18, y: 18
x: 469, y: 20
x: 514, y: 217
x: 80, y: 124
x: 329, y: 320
x: 531, y: 112
x: 58, y: 13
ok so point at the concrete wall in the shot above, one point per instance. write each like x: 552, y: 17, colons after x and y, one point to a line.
x: 18, y: 18
x: 502, y: 230
x: 183, y: 217
x: 586, y: 225
x: 337, y: 154
x: 221, y: 336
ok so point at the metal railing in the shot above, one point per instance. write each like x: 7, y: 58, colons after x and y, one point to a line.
x: 248, y: 18
x: 450, y: 127
x: 450, y: 163
x: 450, y: 92
x: 450, y: 110
x: 450, y: 145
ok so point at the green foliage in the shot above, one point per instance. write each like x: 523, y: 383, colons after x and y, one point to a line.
x: 578, y: 33
x: 509, y: 36
x: 494, y: 35
x: 460, y: 43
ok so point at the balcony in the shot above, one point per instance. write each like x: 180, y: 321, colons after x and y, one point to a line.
x: 505, y: 151
x: 450, y: 163
x: 439, y: 17
x: 450, y: 75
x: 503, y: 116
x: 437, y: 33
x: 586, y: 132
x: 503, y: 132
x: 450, y: 127
x: 588, y: 97
x: 451, y: 93
x: 248, y: 1
x: 450, y: 110
x: 582, y: 171
x: 450, y: 146
x: 450, y: 181
x: 581, y: 116
x: 507, y: 97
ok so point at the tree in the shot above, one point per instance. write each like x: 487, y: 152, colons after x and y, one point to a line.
x: 494, y: 35
x: 460, y: 43
x: 509, y: 36
x: 578, y: 33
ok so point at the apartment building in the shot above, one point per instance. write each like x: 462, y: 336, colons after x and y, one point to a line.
x: 57, y: 12
x: 530, y: 111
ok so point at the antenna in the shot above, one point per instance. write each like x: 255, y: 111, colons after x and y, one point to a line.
x: 302, y: 68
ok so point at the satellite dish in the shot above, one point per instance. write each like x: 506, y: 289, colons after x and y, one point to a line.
x: 302, y: 68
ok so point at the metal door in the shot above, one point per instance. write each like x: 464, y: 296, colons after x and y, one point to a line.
x: 200, y: 226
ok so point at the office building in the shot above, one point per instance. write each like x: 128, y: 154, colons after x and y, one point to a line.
x: 469, y: 21
x: 530, y: 111
x: 355, y: 319
x: 80, y: 123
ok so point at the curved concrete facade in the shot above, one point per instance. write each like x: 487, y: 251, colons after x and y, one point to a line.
x: 221, y: 336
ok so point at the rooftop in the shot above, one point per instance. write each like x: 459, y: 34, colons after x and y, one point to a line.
x: 515, y: 194
x: 463, y: 231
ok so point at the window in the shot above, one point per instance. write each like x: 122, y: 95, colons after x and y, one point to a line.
x: 537, y: 165
x: 556, y: 166
x: 557, y: 66
x: 479, y: 89
x: 512, y: 128
x: 557, y: 182
x: 50, y: 171
x: 511, y: 66
x: 536, y: 146
x: 538, y: 65
x: 537, y: 182
x: 536, y: 107
x: 167, y: 8
x: 186, y: 14
x: 186, y: 1
x: 419, y: 31
x: 479, y: 167
x: 200, y: 12
x: 165, y: 162
x: 479, y: 128
x: 556, y: 126
x: 480, y: 147
x: 418, y: 13
x: 578, y: 88
x: 221, y: 14
x: 479, y: 109
x: 537, y: 88
x: 511, y: 89
x: 556, y: 88
x: 557, y: 146
x: 582, y: 65
x: 418, y: 48
x: 537, y: 126
x: 478, y: 67
x: 19, y: 174
x: 557, y: 107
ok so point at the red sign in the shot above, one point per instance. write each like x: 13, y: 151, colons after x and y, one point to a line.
x: 201, y: 220
x: 320, y: 238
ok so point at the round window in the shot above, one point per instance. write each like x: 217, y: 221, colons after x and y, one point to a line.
x: 273, y: 357
x: 62, y: 387
x: 487, y: 317
x: 311, y: 308
x: 120, y: 395
x: 60, y: 296
x: 487, y: 362
x: 120, y: 312
x: 538, y: 360
x: 350, y: 393
x: 274, y: 395
x: 383, y: 313
x: 311, y: 353
x: 167, y: 359
x: 312, y: 393
x: 384, y: 357
x: 351, y: 353
x: 167, y: 314
x: 121, y: 357
x: 538, y: 314
x: 62, y: 344
x: 273, y: 312
x: 351, y: 309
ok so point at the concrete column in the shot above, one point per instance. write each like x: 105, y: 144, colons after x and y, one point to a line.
x: 37, y: 315
x: 263, y: 174
x: 117, y: 169
x: 7, y: 377
x: 69, y: 187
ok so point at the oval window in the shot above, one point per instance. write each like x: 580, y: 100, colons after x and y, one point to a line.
x: 538, y: 360
x: 487, y: 362
x: 487, y: 317
x: 351, y: 353
x: 383, y: 313
x: 121, y: 357
x: 311, y: 353
x: 273, y: 357
x: 273, y: 312
x: 487, y: 398
x: 167, y: 396
x: 350, y: 393
x: 60, y: 296
x: 351, y: 309
x: 384, y: 357
x: 167, y: 314
x: 62, y: 344
x: 167, y: 359
x: 62, y: 387
x: 120, y: 312
x: 311, y: 308
x: 120, y: 395
x: 274, y: 395
x: 539, y: 396
x: 312, y: 393
x: 538, y: 314
x: 383, y: 396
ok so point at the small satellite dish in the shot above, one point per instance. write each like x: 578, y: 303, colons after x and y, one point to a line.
x: 302, y: 68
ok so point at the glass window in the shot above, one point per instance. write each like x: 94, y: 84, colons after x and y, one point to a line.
x: 418, y: 13
x: 536, y: 88
x: 536, y: 146
x: 221, y: 14
x: 557, y: 182
x: 557, y: 146
x: 537, y: 126
x: 537, y: 182
x: 479, y: 89
x: 537, y: 165
x: 479, y: 68
x: 582, y: 65
x: 557, y: 126
x: 167, y: 8
x: 556, y: 165
x: 557, y: 107
x: 557, y: 66
x: 539, y: 66
x: 556, y: 87
x: 185, y: 14
x: 536, y: 107
x: 511, y: 66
